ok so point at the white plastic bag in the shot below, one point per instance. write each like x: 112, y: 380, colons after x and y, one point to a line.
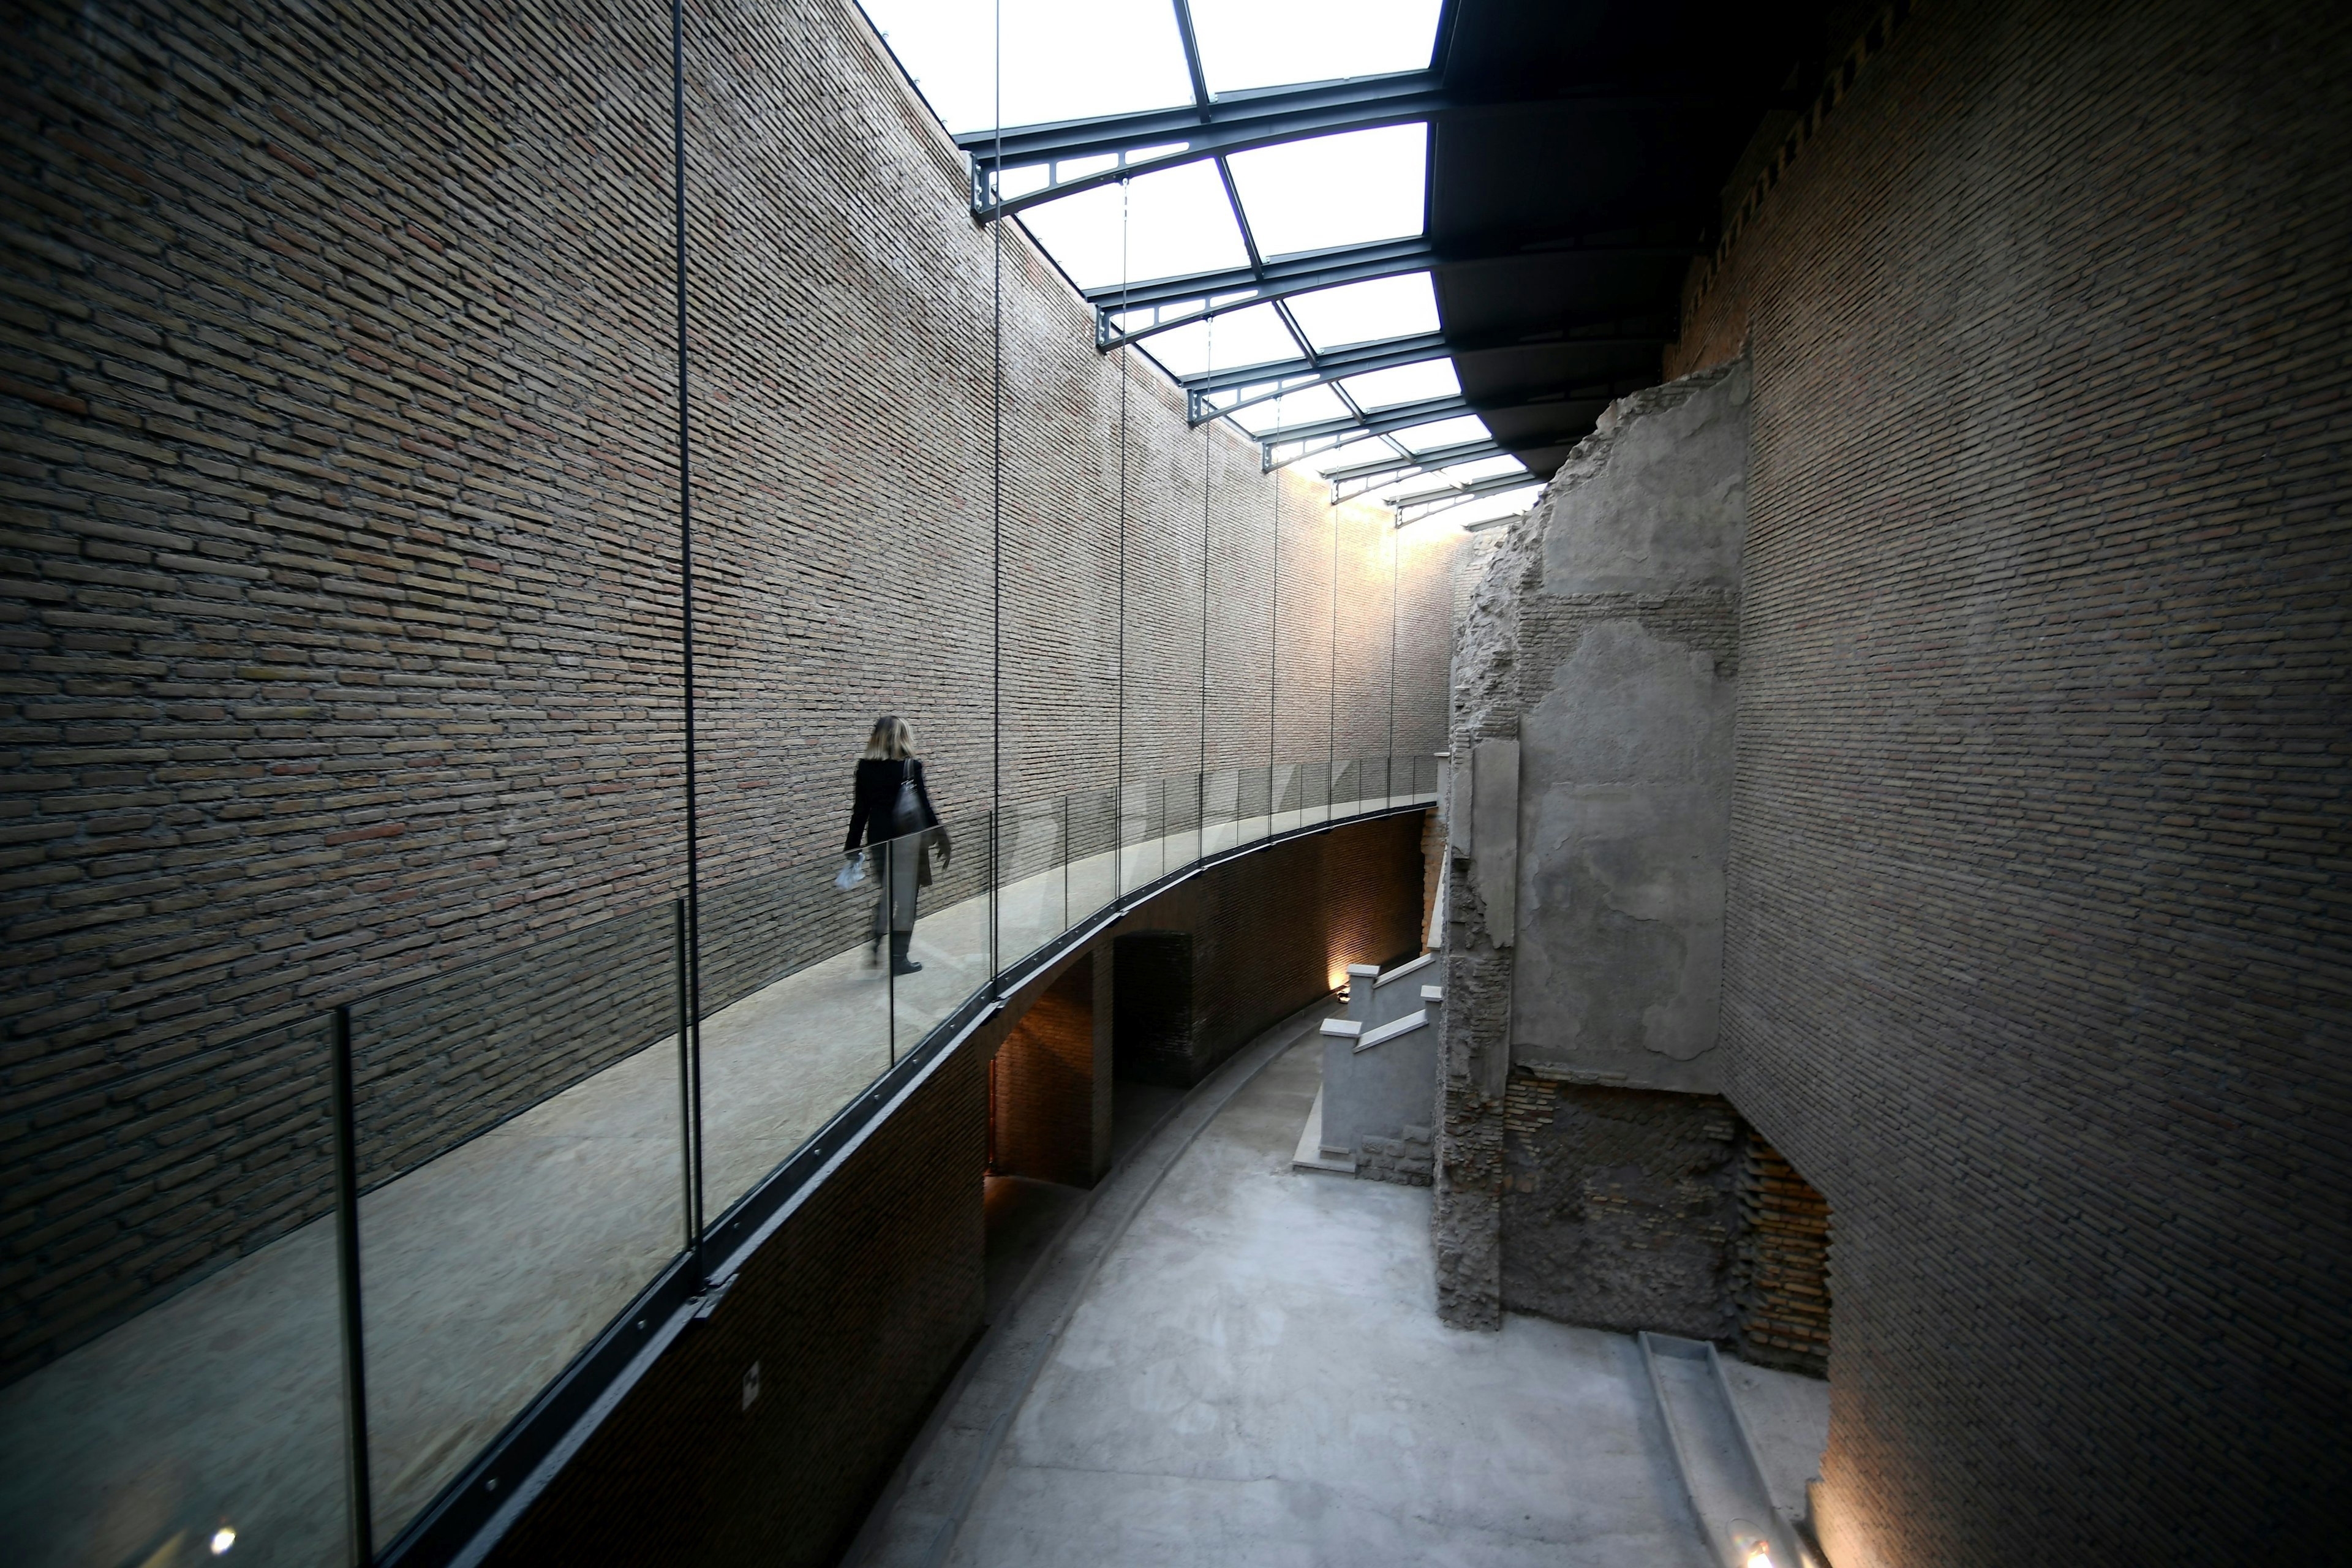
x: 852, y: 873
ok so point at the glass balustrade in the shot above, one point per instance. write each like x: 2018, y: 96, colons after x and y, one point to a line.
x: 532, y: 1137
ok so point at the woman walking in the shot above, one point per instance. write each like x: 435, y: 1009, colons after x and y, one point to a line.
x: 892, y: 816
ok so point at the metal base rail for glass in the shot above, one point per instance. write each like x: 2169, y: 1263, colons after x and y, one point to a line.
x: 515, y: 1464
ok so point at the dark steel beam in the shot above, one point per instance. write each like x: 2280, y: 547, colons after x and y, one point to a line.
x: 1297, y: 375
x: 1305, y: 273
x: 1494, y: 484
x: 1436, y: 458
x: 1404, y: 417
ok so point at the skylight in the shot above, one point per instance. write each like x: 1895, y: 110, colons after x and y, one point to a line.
x: 1303, y: 407
x: 1249, y: 43
x: 1055, y: 54
x: 1405, y: 383
x: 1347, y: 189
x: 1366, y: 313
x: 1176, y: 222
x: 1255, y: 336
x: 1452, y: 432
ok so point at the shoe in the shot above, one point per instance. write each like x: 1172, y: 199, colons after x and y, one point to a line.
x: 874, y: 954
x: 904, y: 966
x: 899, y: 962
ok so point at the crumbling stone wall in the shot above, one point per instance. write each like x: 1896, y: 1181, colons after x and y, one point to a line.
x: 1595, y: 673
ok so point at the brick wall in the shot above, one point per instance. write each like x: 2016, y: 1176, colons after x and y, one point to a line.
x: 2035, y: 960
x: 1620, y: 1207
x: 1042, y: 1089
x: 1784, y: 1291
x: 340, y: 558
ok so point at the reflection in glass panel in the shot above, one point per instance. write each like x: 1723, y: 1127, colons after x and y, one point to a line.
x: 519, y: 1162
x: 1052, y: 55
x: 1329, y: 191
x: 1031, y: 878
x: 1176, y: 222
x: 946, y: 871
x: 1246, y: 43
x: 1094, y: 850
x: 1366, y: 313
x: 219, y: 1406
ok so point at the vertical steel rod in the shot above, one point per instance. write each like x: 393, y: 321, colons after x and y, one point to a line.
x: 996, y: 537
x: 1387, y: 769
x: 685, y: 1121
x: 686, y: 608
x: 347, y: 1277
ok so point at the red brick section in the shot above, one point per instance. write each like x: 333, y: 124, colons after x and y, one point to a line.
x: 338, y: 582
x: 2036, y: 955
x: 1783, y: 1293
x: 1042, y: 1085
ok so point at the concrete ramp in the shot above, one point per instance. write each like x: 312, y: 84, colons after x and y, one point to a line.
x: 1717, y: 1458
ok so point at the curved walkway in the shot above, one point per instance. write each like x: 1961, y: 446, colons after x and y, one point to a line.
x: 1228, y: 1362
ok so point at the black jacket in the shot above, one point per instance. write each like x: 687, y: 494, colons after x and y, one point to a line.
x: 876, y: 797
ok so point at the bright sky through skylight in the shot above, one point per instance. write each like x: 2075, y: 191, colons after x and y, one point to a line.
x: 1302, y: 407
x: 1064, y: 59
x: 1405, y: 383
x: 1253, y: 336
x: 1455, y: 432
x: 1264, y: 43
x: 1334, y: 190
x: 1177, y: 221
x: 1365, y: 312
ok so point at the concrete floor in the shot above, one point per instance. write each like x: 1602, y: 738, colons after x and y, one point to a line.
x: 1250, y: 1370
x: 485, y: 1271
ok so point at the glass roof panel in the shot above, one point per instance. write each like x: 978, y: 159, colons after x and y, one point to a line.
x: 1482, y: 468
x: 1248, y: 43
x: 1252, y: 336
x: 1303, y: 407
x: 1178, y: 221
x: 1405, y: 383
x: 1321, y: 461
x: 1057, y: 55
x: 1349, y: 189
x: 1445, y: 433
x: 1366, y: 313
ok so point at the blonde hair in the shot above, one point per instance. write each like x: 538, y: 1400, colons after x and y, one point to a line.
x: 892, y: 741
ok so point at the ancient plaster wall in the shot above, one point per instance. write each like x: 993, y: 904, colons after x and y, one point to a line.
x: 1595, y: 677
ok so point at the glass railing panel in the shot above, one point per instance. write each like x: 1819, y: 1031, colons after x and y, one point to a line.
x: 521, y: 1171
x: 1283, y: 791
x: 215, y: 1415
x: 1347, y: 788
x: 795, y: 1009
x: 1032, y: 881
x: 1093, y: 867
x: 1314, y: 794
x: 955, y: 927
x: 1219, y: 796
x: 1254, y: 820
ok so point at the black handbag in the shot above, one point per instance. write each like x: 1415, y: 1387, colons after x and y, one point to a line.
x: 907, y: 811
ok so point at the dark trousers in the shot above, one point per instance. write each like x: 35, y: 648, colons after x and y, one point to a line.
x: 896, y: 865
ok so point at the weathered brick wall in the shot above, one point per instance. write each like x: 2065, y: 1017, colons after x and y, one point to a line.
x: 1620, y: 1207
x: 342, y: 632
x: 2036, y: 964
x: 1783, y: 1290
